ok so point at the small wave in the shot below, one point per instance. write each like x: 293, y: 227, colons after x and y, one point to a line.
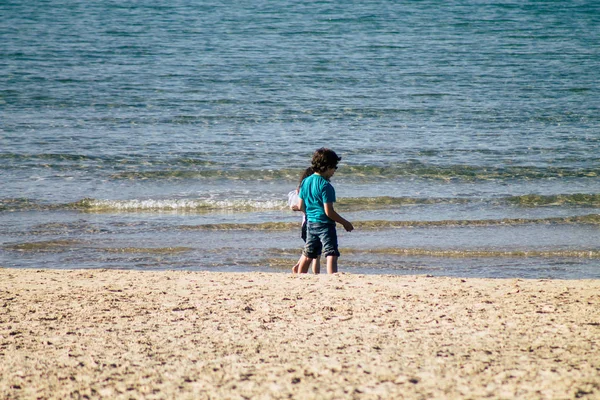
x: 148, y: 250
x: 265, y: 226
x: 44, y: 246
x: 383, y: 202
x: 176, y: 205
x: 235, y: 174
x: 455, y: 253
x: 209, y: 166
x: 577, y: 199
x: 66, y: 161
x: 45, y: 157
x: 148, y: 205
x: 20, y: 204
x: 371, y: 173
x: 480, y: 253
x: 462, y: 172
x: 246, y: 205
x: 528, y: 200
x: 344, y: 204
x: 591, y: 219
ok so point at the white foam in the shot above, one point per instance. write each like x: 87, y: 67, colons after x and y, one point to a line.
x: 186, y: 205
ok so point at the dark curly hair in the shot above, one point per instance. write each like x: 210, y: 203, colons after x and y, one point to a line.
x: 323, y: 159
x: 305, y: 174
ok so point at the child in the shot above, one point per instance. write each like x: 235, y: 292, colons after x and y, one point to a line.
x: 317, y: 196
x: 293, y: 203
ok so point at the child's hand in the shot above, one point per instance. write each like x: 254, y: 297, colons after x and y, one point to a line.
x: 295, y: 207
x: 348, y: 226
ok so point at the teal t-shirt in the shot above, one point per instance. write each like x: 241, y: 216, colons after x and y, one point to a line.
x: 315, y: 191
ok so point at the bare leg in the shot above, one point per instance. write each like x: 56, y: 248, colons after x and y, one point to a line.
x: 332, y: 264
x: 316, y: 265
x: 295, y: 267
x: 304, y: 264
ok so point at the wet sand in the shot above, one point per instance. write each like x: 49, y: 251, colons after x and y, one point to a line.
x: 204, y: 335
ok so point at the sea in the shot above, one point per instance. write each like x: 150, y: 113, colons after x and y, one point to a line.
x: 166, y: 135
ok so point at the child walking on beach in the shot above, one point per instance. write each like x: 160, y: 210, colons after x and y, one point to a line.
x: 316, y: 199
x: 293, y: 201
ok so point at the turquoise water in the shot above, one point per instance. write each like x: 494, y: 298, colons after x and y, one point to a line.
x: 168, y: 135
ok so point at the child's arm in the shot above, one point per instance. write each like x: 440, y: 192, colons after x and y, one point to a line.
x: 299, y: 206
x: 293, y: 200
x: 331, y: 213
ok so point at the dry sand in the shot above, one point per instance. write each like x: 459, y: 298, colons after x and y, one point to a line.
x: 197, y: 335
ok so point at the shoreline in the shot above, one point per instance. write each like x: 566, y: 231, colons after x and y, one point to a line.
x: 183, y: 334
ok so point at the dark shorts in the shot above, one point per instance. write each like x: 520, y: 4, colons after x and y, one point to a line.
x: 321, y: 239
x: 303, y: 234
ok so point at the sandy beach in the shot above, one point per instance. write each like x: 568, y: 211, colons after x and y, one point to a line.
x: 204, y: 335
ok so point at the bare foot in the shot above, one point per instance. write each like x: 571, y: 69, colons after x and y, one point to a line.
x: 295, y: 268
